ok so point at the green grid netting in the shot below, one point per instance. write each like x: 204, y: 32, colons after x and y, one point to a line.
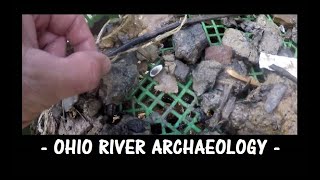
x: 214, y: 30
x: 290, y: 44
x: 145, y: 99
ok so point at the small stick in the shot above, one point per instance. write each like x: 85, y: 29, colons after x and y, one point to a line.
x: 281, y: 71
x: 243, y: 78
x: 162, y: 30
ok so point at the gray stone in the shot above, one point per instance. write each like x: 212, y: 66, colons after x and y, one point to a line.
x: 228, y: 108
x: 168, y: 57
x: 149, y: 53
x: 182, y: 70
x: 271, y: 40
x: 77, y: 126
x: 284, y: 51
x: 189, y: 43
x: 267, y: 25
x: 274, y: 97
x: 167, y: 83
x: 136, y: 125
x: 240, y: 45
x: 91, y: 107
x: 211, y: 101
x: 239, y: 67
x: 222, y: 54
x: 118, y: 82
x: 295, y: 35
x: 128, y: 125
x: 239, y: 115
x: 204, y: 76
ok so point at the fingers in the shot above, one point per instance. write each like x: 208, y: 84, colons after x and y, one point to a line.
x: 57, y: 47
x: 83, y: 71
x: 46, y: 78
x: 73, y: 27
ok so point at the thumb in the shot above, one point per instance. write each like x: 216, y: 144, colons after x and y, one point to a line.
x: 46, y: 78
x: 83, y: 71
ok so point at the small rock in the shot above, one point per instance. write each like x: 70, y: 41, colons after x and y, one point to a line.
x: 284, y: 51
x: 182, y: 70
x: 249, y: 26
x: 295, y: 35
x: 153, y: 22
x: 211, y: 101
x: 167, y: 83
x: 118, y: 82
x: 240, y: 114
x: 91, y: 107
x: 170, y: 66
x: 117, y: 129
x: 128, y: 125
x: 256, y: 37
x: 74, y: 126
x: 142, y: 67
x: 56, y: 111
x: 123, y: 37
x: 240, y: 45
x: 228, y: 108
x: 274, y: 97
x: 270, y: 42
x: 97, y: 126
x: 222, y: 54
x: 229, y: 22
x: 149, y: 53
x: 239, y: 67
x: 204, y: 76
x: 287, y: 20
x: 264, y: 23
x: 189, y: 43
x: 136, y: 125
x: 168, y: 57
x: 68, y: 103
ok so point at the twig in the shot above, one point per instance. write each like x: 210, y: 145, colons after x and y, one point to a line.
x: 81, y: 115
x: 157, y: 39
x: 281, y: 71
x: 103, y: 30
x: 128, y: 18
x: 243, y: 78
x: 162, y: 30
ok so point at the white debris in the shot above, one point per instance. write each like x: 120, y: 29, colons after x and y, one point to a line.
x: 289, y: 64
x: 156, y: 70
x: 68, y: 103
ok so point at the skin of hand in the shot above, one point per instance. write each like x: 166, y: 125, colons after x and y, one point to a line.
x: 48, y: 76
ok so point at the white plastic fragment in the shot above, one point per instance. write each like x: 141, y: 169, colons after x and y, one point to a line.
x: 289, y: 64
x: 68, y: 103
x: 156, y: 70
x: 282, y: 29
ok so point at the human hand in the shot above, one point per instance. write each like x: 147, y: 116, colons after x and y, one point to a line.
x: 47, y: 75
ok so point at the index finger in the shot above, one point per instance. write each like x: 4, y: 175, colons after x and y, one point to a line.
x: 73, y: 27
